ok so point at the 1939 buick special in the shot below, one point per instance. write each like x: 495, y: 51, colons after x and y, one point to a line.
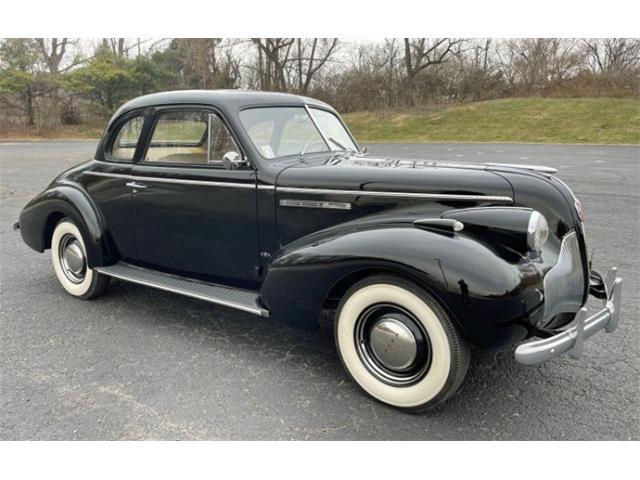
x: 264, y: 202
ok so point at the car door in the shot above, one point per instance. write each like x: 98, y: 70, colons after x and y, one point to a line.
x: 193, y: 216
x: 106, y: 181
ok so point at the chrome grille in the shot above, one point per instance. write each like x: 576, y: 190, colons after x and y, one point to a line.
x: 564, y: 283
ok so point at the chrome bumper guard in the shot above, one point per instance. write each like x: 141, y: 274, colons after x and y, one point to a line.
x: 571, y: 340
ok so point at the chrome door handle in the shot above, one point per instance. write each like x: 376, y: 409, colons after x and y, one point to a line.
x: 135, y: 185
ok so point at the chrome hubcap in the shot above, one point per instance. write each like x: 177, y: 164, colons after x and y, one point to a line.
x: 72, y: 259
x: 392, y: 344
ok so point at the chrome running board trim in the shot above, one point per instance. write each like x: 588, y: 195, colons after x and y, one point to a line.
x: 237, y: 298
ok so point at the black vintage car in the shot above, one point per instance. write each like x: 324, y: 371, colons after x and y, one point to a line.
x: 264, y: 202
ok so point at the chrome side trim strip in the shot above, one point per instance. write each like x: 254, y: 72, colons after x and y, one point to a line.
x: 106, y: 174
x: 205, y: 183
x: 173, y: 180
x: 316, y: 191
x: 369, y: 193
x: 314, y: 204
x: 535, y: 168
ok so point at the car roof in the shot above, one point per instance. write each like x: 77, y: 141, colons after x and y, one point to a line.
x: 229, y: 100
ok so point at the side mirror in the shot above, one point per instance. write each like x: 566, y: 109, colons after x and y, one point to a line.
x: 233, y: 161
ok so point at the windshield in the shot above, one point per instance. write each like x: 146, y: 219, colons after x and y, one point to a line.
x: 333, y: 130
x: 282, y: 131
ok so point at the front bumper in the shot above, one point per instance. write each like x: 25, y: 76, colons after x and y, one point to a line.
x: 572, y: 339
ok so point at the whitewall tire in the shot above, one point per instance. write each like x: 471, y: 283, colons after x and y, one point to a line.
x: 68, y: 255
x: 399, y: 344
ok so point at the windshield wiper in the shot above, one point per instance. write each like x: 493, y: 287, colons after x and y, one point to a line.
x: 306, y: 145
x: 339, y: 145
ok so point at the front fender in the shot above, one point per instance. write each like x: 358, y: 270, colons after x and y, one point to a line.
x: 484, y: 292
x: 67, y: 200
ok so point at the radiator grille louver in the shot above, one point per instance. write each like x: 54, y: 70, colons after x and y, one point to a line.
x: 564, y: 283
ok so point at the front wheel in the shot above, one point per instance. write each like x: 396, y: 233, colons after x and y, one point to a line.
x: 69, y: 258
x: 398, y: 343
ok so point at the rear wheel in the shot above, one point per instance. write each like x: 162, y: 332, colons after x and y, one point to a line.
x: 69, y: 258
x: 398, y: 343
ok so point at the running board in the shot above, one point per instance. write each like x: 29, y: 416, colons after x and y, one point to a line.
x: 237, y: 298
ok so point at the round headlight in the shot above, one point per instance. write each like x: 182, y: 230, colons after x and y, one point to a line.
x: 537, y: 231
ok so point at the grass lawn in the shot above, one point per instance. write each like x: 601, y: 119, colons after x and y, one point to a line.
x: 64, y: 132
x: 527, y: 120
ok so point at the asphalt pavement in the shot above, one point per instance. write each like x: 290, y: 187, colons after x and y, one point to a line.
x: 139, y: 363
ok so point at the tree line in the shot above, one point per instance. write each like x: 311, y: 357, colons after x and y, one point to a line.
x: 45, y: 83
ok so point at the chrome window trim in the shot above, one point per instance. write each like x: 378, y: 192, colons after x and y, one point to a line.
x: 372, y: 193
x: 315, y: 124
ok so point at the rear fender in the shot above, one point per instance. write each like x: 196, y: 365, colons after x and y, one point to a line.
x: 39, y: 216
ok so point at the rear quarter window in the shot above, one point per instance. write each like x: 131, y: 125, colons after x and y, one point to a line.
x: 125, y: 143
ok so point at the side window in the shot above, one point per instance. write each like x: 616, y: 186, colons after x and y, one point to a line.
x: 124, y: 146
x: 189, y: 137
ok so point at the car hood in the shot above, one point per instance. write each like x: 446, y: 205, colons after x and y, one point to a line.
x: 339, y: 178
x: 382, y: 174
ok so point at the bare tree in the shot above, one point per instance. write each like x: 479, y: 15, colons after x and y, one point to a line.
x: 120, y: 47
x: 116, y: 45
x: 206, y: 62
x: 199, y: 60
x: 53, y: 51
x: 273, y: 61
x: 422, y: 53
x: 612, y: 55
x: 534, y: 63
x: 481, y: 54
x: 312, y: 55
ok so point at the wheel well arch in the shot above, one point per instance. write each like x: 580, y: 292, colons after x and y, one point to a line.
x: 342, y: 285
x: 98, y: 244
x: 49, y: 227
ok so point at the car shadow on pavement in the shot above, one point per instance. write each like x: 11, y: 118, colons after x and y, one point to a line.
x: 277, y: 345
